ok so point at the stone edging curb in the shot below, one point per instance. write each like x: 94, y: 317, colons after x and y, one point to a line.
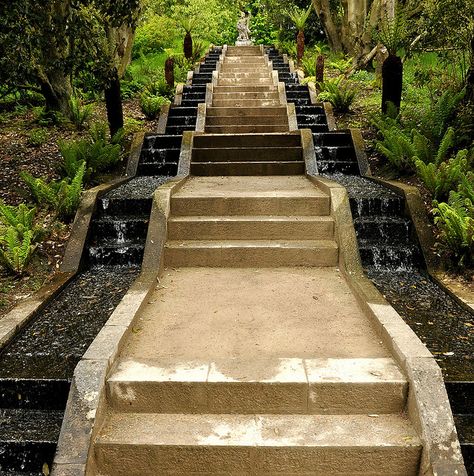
x: 428, y: 405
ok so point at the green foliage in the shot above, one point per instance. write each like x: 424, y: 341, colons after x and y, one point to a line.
x: 61, y: 196
x: 342, y: 64
x: 153, y: 35
x: 97, y: 156
x: 339, y: 92
x: 441, y: 178
x: 299, y: 16
x: 151, y: 105
x: 49, y: 118
x: 22, y: 219
x: 456, y: 231
x: 80, y: 114
x: 160, y: 88
x: 37, y: 137
x: 16, y: 250
x: 393, y: 32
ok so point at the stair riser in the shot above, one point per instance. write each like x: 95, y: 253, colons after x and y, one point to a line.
x: 240, y: 129
x: 257, y: 230
x: 245, y: 111
x: 246, y: 120
x: 282, y: 206
x: 246, y: 81
x: 255, y: 75
x: 242, y: 102
x: 283, y: 140
x: 250, y: 398
x: 237, y: 96
x: 247, y: 168
x: 248, y: 257
x: 143, y: 460
x: 244, y: 155
x: 243, y: 89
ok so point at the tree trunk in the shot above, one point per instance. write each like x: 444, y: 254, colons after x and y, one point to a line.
x: 320, y: 69
x: 299, y: 47
x: 57, y: 91
x: 169, y: 72
x: 333, y: 34
x: 113, y: 104
x: 188, y: 46
x: 392, y: 82
x: 470, y: 77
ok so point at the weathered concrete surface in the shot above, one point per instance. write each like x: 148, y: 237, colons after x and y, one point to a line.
x: 252, y: 313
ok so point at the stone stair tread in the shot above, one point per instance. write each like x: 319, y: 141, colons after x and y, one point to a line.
x: 276, y: 244
x: 251, y: 218
x: 341, y: 431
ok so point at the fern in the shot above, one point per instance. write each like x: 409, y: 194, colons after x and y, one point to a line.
x: 446, y: 143
x: 61, y: 196
x: 456, y: 232
x: 338, y: 92
x: 22, y: 219
x: 441, y: 179
x: 442, y: 113
x: 79, y: 114
x: 16, y: 250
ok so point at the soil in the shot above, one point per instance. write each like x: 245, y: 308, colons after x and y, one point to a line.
x: 16, y: 155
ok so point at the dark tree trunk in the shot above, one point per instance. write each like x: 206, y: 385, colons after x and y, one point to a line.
x: 169, y: 72
x: 470, y: 77
x: 56, y: 90
x: 299, y: 47
x: 188, y: 46
x: 320, y: 69
x: 113, y: 104
x: 392, y: 82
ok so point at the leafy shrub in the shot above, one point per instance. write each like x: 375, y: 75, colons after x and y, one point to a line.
x: 99, y: 132
x: 159, y: 88
x: 153, y: 35
x: 37, y: 137
x: 16, y: 250
x: 97, y: 156
x: 338, y: 92
x: 151, y: 105
x: 22, y: 219
x: 456, y: 231
x: 61, y: 196
x: 363, y: 76
x: 132, y: 126
x: 341, y: 64
x: 441, y: 179
x: 309, y: 66
x: 49, y: 118
x: 79, y: 114
x: 131, y: 88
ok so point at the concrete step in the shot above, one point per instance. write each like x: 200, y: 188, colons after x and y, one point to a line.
x: 257, y: 154
x: 266, y: 81
x: 238, y: 95
x: 246, y: 129
x: 176, y: 444
x: 258, y: 60
x: 256, y: 74
x: 251, y: 227
x: 244, y: 89
x: 246, y: 111
x: 261, y: 120
x: 243, y: 68
x: 247, y: 140
x: 278, y: 385
x: 251, y: 253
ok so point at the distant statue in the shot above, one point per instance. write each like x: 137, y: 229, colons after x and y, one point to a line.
x: 244, y: 30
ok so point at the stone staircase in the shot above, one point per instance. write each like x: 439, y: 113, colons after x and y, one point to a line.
x: 253, y: 356
x: 244, y: 222
x: 246, y: 98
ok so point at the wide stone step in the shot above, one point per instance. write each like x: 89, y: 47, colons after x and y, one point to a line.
x: 264, y: 81
x: 261, y: 120
x: 257, y: 74
x: 149, y: 444
x: 251, y: 227
x: 246, y: 111
x: 207, y: 169
x: 243, y: 102
x: 251, y: 253
x: 259, y: 60
x: 244, y: 89
x: 238, y: 95
x: 243, y: 68
x: 237, y: 154
x: 279, y: 385
x: 246, y: 129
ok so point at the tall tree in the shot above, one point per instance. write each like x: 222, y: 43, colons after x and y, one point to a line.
x: 299, y: 18
x: 35, y: 49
